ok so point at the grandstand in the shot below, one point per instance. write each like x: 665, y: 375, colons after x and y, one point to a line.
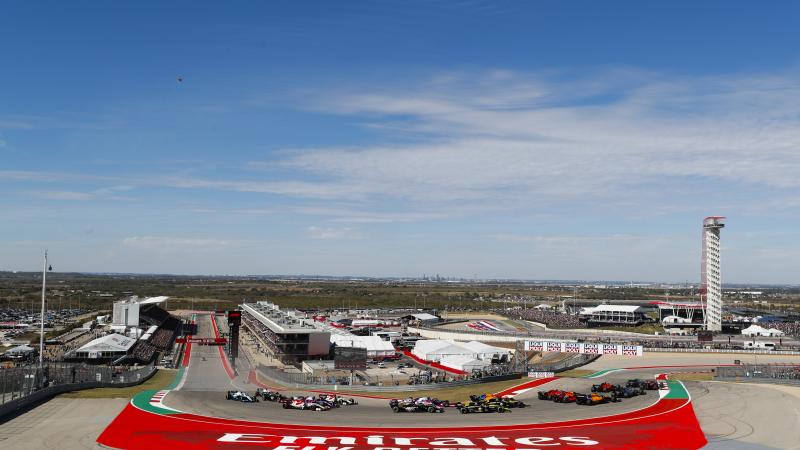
x: 152, y: 314
x: 552, y: 319
x: 287, y: 336
x: 617, y: 315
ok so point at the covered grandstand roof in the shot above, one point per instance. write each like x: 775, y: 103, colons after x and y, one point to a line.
x: 424, y: 316
x: 109, y: 343
x: 616, y: 308
x: 149, y: 300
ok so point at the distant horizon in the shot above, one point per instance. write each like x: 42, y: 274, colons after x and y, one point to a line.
x: 644, y: 283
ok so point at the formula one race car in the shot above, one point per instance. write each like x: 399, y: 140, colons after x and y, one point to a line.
x: 594, y: 399
x: 436, y: 401
x: 481, y: 398
x: 415, y: 405
x: 482, y: 407
x: 628, y: 392
x: 240, y: 396
x: 336, y: 400
x: 565, y: 397
x: 510, y: 402
x: 306, y: 404
x: 603, y: 387
x: 549, y: 395
x: 268, y: 395
x: 649, y: 385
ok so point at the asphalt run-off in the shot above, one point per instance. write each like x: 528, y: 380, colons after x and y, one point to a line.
x: 147, y: 423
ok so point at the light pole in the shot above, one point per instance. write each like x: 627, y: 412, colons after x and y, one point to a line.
x: 41, y: 325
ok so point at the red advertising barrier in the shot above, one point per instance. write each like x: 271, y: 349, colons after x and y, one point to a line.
x: 668, y: 424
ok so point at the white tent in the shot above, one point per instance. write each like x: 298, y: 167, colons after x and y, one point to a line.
x: 485, y: 351
x: 437, y: 349
x: 376, y: 347
x: 20, y: 350
x: 755, y: 330
x: 106, y: 346
x: 464, y: 363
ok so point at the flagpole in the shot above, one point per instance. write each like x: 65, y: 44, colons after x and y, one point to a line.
x: 41, y: 326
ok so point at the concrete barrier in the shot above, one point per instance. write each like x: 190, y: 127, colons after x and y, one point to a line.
x: 22, y: 403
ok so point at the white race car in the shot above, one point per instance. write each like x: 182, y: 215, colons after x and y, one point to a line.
x: 240, y: 396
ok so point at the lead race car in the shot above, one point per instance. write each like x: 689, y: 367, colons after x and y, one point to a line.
x: 240, y: 396
x: 648, y: 385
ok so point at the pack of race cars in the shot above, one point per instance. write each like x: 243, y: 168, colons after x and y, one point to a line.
x: 485, y: 403
x: 615, y: 392
x: 322, y: 402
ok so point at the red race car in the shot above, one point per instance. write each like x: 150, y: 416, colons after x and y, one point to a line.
x: 603, y: 387
x: 549, y: 395
x: 565, y: 397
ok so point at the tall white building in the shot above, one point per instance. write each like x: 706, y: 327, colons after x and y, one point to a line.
x: 710, y: 273
x: 126, y: 313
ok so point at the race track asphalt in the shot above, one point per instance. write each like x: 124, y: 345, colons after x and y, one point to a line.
x: 203, y: 393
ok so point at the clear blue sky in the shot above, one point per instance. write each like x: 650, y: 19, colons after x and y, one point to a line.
x: 568, y: 140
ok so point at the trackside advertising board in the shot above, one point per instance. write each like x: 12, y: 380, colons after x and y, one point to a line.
x: 584, y: 348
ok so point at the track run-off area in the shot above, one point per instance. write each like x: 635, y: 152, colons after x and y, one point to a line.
x: 193, y: 414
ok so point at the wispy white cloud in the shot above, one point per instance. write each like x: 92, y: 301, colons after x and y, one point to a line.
x: 499, y: 137
x: 64, y: 195
x: 328, y: 233
x: 106, y: 193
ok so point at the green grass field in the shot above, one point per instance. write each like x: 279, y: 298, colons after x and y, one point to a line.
x: 160, y: 380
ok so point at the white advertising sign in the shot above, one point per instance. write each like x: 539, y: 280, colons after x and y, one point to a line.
x: 587, y: 348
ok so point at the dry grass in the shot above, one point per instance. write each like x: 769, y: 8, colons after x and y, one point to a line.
x: 159, y: 381
x: 576, y: 373
x: 692, y: 376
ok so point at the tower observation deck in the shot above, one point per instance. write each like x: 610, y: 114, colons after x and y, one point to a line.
x: 710, y: 272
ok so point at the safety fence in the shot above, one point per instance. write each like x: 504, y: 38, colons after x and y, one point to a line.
x: 760, y: 373
x: 720, y: 350
x: 297, y: 381
x: 649, y: 342
x: 563, y: 365
x: 307, y: 381
x: 22, y: 385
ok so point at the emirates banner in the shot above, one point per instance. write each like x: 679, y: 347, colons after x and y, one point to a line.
x: 588, y: 348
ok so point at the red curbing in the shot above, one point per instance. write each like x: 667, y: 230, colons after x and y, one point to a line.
x: 525, y: 386
x: 225, y: 363
x: 187, y: 351
x: 433, y: 364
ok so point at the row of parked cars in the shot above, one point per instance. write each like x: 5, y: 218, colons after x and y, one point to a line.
x: 322, y: 402
x: 615, y: 392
